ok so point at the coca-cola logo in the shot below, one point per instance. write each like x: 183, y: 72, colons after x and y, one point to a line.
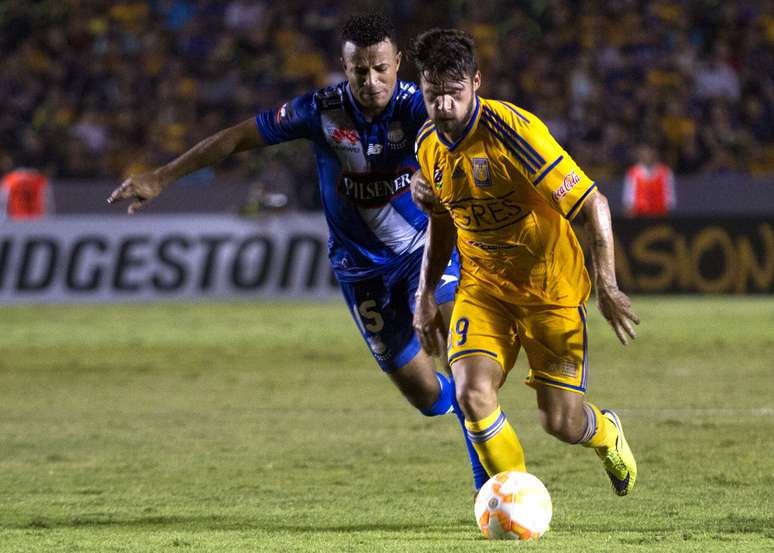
x: 568, y: 184
x: 345, y: 135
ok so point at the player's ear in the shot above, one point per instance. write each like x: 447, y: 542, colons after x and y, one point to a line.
x: 398, y: 57
x: 476, y: 81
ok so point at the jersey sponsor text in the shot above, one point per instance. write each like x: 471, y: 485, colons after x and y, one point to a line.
x: 373, y: 190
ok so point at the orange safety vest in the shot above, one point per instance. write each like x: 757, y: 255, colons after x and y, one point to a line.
x: 649, y: 192
x: 26, y: 190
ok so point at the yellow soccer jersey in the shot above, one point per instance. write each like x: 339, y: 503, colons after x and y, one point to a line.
x: 511, y: 190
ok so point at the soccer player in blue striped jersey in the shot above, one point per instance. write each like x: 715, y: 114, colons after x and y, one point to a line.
x: 363, y: 131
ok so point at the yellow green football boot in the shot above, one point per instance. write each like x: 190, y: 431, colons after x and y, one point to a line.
x: 619, y: 461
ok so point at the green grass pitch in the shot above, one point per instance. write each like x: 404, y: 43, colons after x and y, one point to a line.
x: 259, y: 426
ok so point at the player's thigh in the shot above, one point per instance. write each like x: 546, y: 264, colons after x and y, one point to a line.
x: 556, y: 343
x: 383, y: 317
x: 482, y: 326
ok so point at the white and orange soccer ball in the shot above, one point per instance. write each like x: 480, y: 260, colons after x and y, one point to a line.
x: 513, y: 506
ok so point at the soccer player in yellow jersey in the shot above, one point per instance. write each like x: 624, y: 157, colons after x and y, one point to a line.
x: 494, y: 178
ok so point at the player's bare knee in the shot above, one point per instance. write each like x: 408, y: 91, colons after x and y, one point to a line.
x: 476, y: 399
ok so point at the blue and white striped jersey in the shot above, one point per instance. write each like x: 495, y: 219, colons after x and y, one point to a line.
x: 364, y: 170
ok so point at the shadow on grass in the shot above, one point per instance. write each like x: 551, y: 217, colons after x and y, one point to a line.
x: 174, y: 522
x: 730, y: 524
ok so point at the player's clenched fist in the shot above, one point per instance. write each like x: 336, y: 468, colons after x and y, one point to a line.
x: 141, y: 188
x: 422, y: 194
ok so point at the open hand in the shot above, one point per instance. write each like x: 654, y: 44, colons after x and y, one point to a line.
x: 616, y: 307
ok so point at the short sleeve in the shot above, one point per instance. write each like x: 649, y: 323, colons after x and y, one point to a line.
x: 563, y: 184
x: 297, y: 118
x: 552, y: 172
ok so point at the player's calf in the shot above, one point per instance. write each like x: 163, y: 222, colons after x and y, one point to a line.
x: 566, y: 425
x: 427, y: 391
x: 487, y: 427
x: 561, y: 413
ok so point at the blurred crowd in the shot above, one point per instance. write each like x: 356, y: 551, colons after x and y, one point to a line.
x: 102, y: 89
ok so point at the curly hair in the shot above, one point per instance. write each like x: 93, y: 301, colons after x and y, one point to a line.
x: 367, y: 29
x: 443, y: 54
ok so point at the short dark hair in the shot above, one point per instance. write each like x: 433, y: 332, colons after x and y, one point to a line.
x: 368, y: 29
x: 442, y: 54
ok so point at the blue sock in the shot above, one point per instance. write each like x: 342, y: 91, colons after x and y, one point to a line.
x: 447, y: 402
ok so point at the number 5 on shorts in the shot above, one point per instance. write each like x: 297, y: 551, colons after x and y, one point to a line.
x: 368, y: 318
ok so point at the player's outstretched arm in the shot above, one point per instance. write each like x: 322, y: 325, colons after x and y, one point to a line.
x: 615, y: 306
x: 143, y: 187
x: 439, y: 244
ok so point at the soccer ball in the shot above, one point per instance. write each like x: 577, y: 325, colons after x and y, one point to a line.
x: 513, y: 506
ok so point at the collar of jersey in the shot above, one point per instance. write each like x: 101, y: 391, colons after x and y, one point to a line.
x: 467, y: 132
x: 357, y: 112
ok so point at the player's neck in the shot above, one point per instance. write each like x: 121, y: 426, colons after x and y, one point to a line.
x: 370, y: 114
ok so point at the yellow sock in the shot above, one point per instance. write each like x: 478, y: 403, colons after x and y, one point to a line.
x: 496, y: 443
x: 600, y: 432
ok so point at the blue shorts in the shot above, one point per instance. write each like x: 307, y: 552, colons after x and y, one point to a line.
x: 383, y: 309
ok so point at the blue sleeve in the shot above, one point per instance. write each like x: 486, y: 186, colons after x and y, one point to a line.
x: 295, y: 119
x: 418, y: 111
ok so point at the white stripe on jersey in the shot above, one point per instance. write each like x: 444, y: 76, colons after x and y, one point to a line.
x: 385, y: 222
x: 392, y: 229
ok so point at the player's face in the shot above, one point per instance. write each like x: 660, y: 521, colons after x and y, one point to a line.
x: 450, y: 103
x: 372, y: 72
